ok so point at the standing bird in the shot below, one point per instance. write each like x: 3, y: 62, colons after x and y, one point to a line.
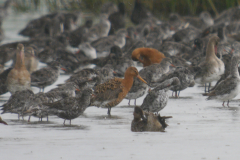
x: 112, y: 92
x: 34, y: 105
x: 185, y: 76
x: 18, y: 78
x: 157, y: 98
x: 212, y: 68
x: 117, y: 19
x: 17, y: 102
x: 46, y: 76
x: 229, y: 88
x: 139, y: 13
x: 147, y: 56
x: 71, y: 107
x: 150, y: 73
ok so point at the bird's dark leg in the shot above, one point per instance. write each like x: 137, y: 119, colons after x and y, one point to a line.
x: 41, y: 118
x: 64, y: 122
x: 223, y: 104
x: 29, y: 118
x: 209, y: 85
x: 18, y: 117
x: 109, y: 111
x: 228, y: 103
x: 38, y: 118
x: 205, y: 87
x: 135, y: 102
x: 43, y: 90
x: 47, y: 118
x: 39, y: 89
x: 70, y: 122
x: 175, y: 94
x: 129, y: 102
x: 178, y: 93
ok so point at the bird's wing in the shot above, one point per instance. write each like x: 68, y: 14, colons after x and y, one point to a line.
x: 62, y: 104
x: 108, y: 91
x: 40, y: 75
x: 226, y: 86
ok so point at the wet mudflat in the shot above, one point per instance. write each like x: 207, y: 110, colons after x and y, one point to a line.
x: 199, y: 129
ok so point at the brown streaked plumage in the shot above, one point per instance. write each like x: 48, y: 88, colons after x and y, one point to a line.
x: 147, y: 56
x: 212, y: 68
x: 46, y: 76
x: 3, y: 122
x: 18, y: 78
x: 147, y: 121
x: 139, y: 122
x: 112, y: 92
x: 156, y: 123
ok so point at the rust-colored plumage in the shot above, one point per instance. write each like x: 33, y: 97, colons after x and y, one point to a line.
x: 18, y: 78
x: 112, y: 92
x: 147, y: 56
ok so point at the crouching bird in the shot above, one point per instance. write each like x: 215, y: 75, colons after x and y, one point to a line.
x: 148, y: 121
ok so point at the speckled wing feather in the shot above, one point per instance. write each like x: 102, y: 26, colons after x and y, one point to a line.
x: 102, y: 44
x: 108, y: 91
x: 63, y: 104
x: 224, y: 87
x: 164, y: 77
x: 43, y: 76
x: 87, y: 72
x: 17, y: 101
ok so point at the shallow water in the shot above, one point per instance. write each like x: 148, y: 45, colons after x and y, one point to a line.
x: 199, y: 129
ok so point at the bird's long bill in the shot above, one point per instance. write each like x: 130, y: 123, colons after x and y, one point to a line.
x: 21, y: 56
x: 139, y: 77
x: 3, y: 122
x: 166, y: 117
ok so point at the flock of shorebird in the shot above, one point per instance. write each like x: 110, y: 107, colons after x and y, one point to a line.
x: 175, y: 54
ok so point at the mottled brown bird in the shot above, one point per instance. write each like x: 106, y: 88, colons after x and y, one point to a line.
x: 147, y: 56
x: 139, y: 122
x: 112, y: 92
x: 46, y: 76
x: 147, y: 121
